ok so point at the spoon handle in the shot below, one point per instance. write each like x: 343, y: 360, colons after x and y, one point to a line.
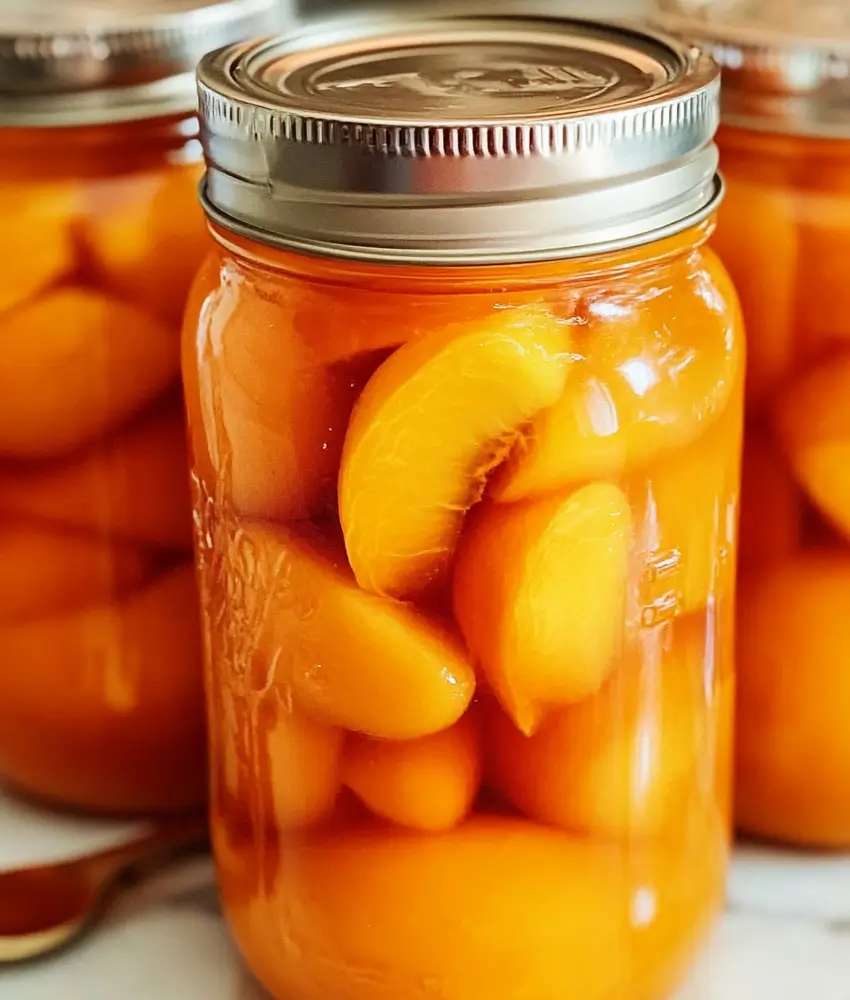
x: 127, y: 864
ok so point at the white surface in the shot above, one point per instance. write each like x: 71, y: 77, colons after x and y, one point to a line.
x: 760, y: 958
x: 172, y: 944
x: 777, y: 883
x: 32, y: 835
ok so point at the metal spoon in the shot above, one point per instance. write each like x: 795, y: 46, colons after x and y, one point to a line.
x: 45, y: 908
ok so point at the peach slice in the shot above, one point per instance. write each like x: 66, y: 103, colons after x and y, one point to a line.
x: 758, y: 240
x: 103, y: 709
x: 279, y: 460
x: 812, y: 421
x: 433, y: 421
x: 304, y: 768
x: 823, y: 298
x: 44, y: 571
x: 147, y: 237
x: 539, y: 593
x: 73, y: 364
x: 497, y: 907
x: 621, y: 763
x: 771, y: 506
x: 349, y: 658
x: 268, y: 419
x: 652, y: 368
x: 684, y: 554
x: 424, y: 784
x: 343, y: 322
x: 792, y: 739
x: 134, y: 485
x: 38, y: 239
x: 281, y: 769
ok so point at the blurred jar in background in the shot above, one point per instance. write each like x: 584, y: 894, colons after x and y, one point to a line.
x: 784, y: 234
x: 608, y: 9
x: 465, y: 393
x: 101, y: 701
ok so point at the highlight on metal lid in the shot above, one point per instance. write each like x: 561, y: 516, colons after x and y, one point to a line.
x: 456, y: 140
x: 78, y: 62
x: 786, y: 63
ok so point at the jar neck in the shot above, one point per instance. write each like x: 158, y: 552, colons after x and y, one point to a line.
x: 504, y: 223
x: 781, y: 145
x: 488, y: 278
x: 51, y: 153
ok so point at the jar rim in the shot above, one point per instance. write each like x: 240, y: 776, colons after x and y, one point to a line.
x: 786, y: 65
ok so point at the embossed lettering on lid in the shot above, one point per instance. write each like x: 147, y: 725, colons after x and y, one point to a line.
x: 786, y: 63
x: 459, y: 139
x: 88, y: 61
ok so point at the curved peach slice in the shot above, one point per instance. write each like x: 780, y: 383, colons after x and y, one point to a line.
x: 268, y: 419
x: 147, y: 236
x: 685, y: 534
x: 540, y: 594
x: 433, y: 421
x: 771, y: 506
x: 74, y: 364
x: 134, y: 485
x: 621, y: 763
x: 103, y: 709
x: 792, y: 739
x: 425, y: 784
x: 652, y: 368
x: 280, y: 459
x: 45, y: 571
x: 38, y: 239
x: 812, y: 421
x: 757, y: 238
x: 350, y: 659
x: 497, y: 907
x: 304, y: 767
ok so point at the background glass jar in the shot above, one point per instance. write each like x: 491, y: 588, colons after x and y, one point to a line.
x: 468, y: 624
x: 784, y: 233
x: 101, y: 702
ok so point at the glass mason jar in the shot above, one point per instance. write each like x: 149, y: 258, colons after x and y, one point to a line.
x: 784, y: 234
x: 101, y: 700
x: 451, y: 385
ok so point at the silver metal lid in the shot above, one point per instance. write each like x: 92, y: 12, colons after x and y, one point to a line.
x: 78, y: 62
x: 786, y: 63
x: 458, y: 140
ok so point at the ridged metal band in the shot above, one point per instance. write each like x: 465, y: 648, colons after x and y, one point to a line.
x: 692, y: 119
x: 86, y: 63
x: 403, y: 189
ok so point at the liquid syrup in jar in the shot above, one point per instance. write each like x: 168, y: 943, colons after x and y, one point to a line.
x: 454, y: 368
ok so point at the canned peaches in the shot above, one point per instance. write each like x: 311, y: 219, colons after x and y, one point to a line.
x: 101, y: 697
x: 783, y: 233
x: 465, y: 478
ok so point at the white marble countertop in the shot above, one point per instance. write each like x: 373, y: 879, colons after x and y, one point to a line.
x: 786, y: 935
